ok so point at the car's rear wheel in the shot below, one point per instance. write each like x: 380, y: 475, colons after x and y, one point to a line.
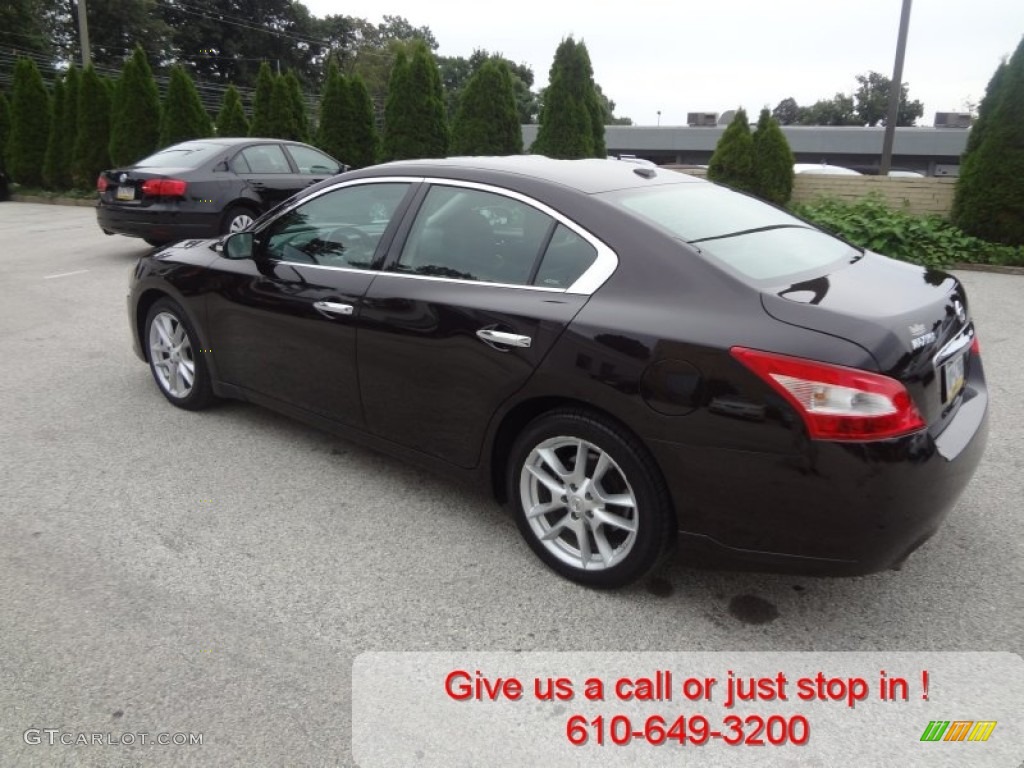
x: 236, y: 219
x: 178, y: 365
x: 588, y: 500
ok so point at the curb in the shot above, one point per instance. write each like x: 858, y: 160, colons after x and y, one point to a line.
x: 1000, y: 268
x: 77, y: 201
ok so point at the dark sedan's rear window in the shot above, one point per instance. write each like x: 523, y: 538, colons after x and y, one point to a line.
x: 191, y: 154
x: 756, y: 239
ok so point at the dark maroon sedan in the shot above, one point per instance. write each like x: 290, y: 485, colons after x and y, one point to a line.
x: 622, y: 354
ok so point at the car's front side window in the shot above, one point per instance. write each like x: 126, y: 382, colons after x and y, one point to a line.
x: 312, y: 162
x: 470, y: 234
x: 340, y: 228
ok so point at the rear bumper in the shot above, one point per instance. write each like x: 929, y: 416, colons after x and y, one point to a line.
x: 164, y: 222
x: 833, y: 508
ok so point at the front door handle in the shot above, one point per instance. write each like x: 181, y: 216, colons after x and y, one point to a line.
x: 329, y: 308
x: 506, y: 339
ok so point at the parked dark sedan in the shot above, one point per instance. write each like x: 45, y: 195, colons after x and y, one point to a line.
x: 206, y: 187
x: 620, y: 353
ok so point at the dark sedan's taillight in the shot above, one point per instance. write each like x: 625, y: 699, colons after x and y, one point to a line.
x: 835, y: 402
x: 101, y: 183
x: 164, y: 188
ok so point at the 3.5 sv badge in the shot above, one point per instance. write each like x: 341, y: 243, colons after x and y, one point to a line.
x: 919, y: 338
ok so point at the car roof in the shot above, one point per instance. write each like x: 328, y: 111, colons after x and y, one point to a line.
x: 588, y: 176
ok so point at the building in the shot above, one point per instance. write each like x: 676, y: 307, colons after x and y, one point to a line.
x: 932, y: 151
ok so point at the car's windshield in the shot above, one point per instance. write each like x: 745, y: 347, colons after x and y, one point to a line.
x: 191, y: 154
x: 758, y: 240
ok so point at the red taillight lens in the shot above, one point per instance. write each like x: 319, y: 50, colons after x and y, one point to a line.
x: 101, y: 184
x: 164, y: 188
x: 976, y: 346
x: 835, y: 402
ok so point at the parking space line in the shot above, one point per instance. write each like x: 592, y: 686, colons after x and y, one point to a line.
x: 66, y: 274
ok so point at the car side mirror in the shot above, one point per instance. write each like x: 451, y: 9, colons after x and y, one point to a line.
x: 238, y: 245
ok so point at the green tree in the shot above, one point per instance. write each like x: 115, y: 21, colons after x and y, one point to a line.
x: 298, y: 102
x: 992, y: 95
x: 260, y: 125
x: 92, y: 139
x: 773, y: 161
x: 990, y: 190
x: 365, y: 142
x: 53, y: 173
x: 5, y: 129
x: 732, y: 163
x: 231, y: 119
x: 872, y: 101
x: 488, y: 121
x: 25, y: 25
x: 30, y: 125
x: 415, y: 124
x: 334, y: 132
x: 115, y: 28
x: 839, y: 110
x: 135, y: 112
x: 281, y: 122
x: 570, y: 115
x: 72, y: 85
x: 183, y: 116
x: 787, y: 112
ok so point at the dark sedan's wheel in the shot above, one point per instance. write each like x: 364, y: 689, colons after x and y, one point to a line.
x: 236, y: 219
x: 174, y: 357
x: 587, y: 500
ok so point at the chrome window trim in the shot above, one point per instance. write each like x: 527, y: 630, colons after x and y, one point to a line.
x: 593, y: 278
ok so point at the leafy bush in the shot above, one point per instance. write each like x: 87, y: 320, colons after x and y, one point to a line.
x: 930, y: 240
x: 30, y: 124
x: 732, y: 163
x: 773, y: 161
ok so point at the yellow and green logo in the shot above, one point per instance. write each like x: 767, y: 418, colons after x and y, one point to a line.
x: 958, y: 730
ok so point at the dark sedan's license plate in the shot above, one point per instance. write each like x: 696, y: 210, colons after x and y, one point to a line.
x: 953, y: 377
x: 126, y: 193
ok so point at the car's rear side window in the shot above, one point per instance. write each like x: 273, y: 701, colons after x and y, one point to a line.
x: 266, y: 158
x: 752, y: 237
x: 567, y: 257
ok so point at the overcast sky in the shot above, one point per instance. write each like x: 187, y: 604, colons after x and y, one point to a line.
x: 680, y: 56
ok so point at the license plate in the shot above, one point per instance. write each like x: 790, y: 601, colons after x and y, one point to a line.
x: 953, y: 377
x: 126, y: 193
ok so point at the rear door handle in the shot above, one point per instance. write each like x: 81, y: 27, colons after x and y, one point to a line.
x: 329, y: 308
x: 506, y: 339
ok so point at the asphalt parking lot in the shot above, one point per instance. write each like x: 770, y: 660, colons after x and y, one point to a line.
x: 217, y: 573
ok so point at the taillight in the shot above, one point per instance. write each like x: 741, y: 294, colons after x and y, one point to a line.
x: 101, y: 184
x: 976, y: 346
x: 164, y: 188
x: 835, y: 402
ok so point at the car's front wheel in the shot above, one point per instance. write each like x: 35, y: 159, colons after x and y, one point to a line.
x: 236, y: 219
x: 175, y: 359
x: 588, y: 500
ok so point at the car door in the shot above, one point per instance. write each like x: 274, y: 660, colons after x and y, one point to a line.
x: 268, y: 173
x: 312, y: 164
x: 283, y: 323
x: 470, y: 302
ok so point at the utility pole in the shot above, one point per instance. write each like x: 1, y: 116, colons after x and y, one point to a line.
x: 83, y: 33
x: 895, y: 91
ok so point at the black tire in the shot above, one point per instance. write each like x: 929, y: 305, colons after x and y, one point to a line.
x: 170, y: 363
x: 597, y: 507
x: 235, y: 213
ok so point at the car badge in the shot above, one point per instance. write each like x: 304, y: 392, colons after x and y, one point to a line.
x: 123, y: 178
x: 961, y: 313
x: 919, y: 336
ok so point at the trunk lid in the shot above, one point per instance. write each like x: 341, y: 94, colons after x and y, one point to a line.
x: 124, y: 186
x: 913, y: 321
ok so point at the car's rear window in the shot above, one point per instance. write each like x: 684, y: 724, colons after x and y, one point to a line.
x: 191, y: 154
x: 756, y: 239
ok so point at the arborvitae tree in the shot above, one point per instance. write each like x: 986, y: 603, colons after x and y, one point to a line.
x: 487, y: 122
x: 260, y: 125
x: 732, y: 163
x: 365, y: 142
x: 72, y: 85
x: 773, y: 161
x: 5, y: 128
x: 92, y: 140
x: 993, y: 93
x: 334, y: 133
x: 570, y: 122
x: 30, y: 125
x: 135, y: 113
x: 281, y: 123
x: 298, y: 102
x: 990, y: 190
x: 414, y: 121
x: 231, y: 120
x: 183, y: 115
x: 53, y: 174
